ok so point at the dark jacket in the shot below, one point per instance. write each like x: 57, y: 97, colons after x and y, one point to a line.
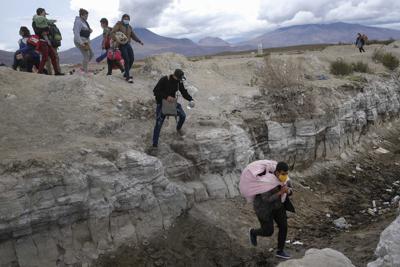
x: 266, y: 202
x: 168, y: 86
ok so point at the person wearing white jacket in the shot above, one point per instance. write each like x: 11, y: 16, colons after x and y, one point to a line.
x: 82, y: 33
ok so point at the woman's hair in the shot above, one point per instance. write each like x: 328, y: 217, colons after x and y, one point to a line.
x: 83, y: 12
x: 24, y: 31
x: 104, y: 20
x: 125, y: 16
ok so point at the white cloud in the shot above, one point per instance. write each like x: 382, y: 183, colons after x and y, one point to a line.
x: 231, y: 19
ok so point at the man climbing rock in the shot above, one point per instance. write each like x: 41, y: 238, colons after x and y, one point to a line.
x: 266, y: 184
x: 165, y: 94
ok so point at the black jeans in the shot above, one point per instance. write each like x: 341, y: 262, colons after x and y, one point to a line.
x: 111, y: 64
x: 128, y: 56
x: 267, y: 226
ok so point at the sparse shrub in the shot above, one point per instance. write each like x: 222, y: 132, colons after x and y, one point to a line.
x: 282, y: 83
x: 377, y: 55
x: 395, y: 46
x: 341, y: 68
x: 387, y: 59
x: 360, y: 67
x: 390, y: 61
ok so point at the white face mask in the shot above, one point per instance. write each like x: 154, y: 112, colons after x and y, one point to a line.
x: 126, y: 21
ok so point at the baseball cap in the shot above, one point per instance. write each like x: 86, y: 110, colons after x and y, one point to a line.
x: 180, y: 74
x: 40, y: 10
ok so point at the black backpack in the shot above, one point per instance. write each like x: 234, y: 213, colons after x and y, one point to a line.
x: 55, y: 35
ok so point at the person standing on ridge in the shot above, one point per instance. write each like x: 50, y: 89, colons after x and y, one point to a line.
x: 123, y: 33
x: 267, y: 185
x: 82, y: 33
x: 40, y: 25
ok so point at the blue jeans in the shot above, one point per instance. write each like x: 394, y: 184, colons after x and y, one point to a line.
x: 160, y: 120
x: 128, y: 56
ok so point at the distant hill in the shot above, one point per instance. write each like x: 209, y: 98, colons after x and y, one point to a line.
x: 320, y: 34
x: 213, y: 41
x: 153, y: 44
x: 6, y: 57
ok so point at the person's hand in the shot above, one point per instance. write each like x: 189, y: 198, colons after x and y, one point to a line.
x: 284, y: 190
x: 19, y: 56
x: 191, y: 104
x: 141, y: 43
x: 170, y: 99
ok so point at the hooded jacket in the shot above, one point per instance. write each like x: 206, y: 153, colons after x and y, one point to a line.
x: 81, y: 31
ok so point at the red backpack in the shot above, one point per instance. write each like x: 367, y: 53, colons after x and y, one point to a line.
x: 34, y: 40
x: 114, y: 54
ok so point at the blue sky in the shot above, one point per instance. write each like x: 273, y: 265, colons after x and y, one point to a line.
x: 228, y: 19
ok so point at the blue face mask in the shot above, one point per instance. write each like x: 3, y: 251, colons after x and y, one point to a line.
x: 126, y: 21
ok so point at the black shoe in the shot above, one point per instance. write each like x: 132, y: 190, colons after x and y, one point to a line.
x: 122, y: 71
x: 283, y: 255
x: 252, y: 237
x: 59, y: 74
x: 130, y: 80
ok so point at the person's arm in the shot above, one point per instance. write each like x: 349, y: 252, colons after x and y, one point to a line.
x: 135, y: 38
x: 114, y: 30
x: 77, y: 32
x: 290, y: 188
x: 273, y: 194
x: 184, y: 92
x: 159, y: 91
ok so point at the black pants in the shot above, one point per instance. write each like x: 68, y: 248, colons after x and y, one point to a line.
x: 111, y: 63
x: 267, y: 226
x: 129, y: 58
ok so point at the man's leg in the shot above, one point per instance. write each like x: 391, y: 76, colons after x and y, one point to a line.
x: 125, y: 56
x: 181, y: 115
x: 44, y: 50
x: 53, y: 58
x: 48, y: 67
x: 281, y: 219
x: 157, y: 128
x: 109, y: 66
x: 131, y: 56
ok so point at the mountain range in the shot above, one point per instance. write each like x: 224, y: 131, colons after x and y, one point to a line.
x: 288, y: 36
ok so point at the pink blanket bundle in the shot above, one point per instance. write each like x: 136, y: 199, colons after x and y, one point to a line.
x: 251, y: 184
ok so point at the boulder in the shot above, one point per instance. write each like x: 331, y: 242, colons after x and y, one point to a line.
x: 388, y: 249
x: 320, y: 257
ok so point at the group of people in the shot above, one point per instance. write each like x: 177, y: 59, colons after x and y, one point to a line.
x: 40, y: 50
x: 361, y: 41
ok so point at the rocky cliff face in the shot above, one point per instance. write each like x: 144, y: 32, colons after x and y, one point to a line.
x: 68, y: 213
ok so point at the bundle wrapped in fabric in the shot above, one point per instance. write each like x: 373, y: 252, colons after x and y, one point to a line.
x: 257, y: 178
